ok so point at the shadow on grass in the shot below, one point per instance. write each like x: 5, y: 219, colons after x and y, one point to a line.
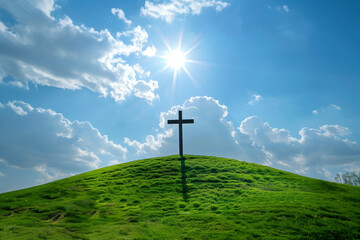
x: 183, y: 179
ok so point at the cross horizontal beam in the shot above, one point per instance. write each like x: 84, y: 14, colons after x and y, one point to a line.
x: 182, y: 121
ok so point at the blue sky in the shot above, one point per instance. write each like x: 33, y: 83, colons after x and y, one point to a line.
x: 87, y: 84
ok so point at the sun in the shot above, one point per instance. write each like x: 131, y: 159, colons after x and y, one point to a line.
x: 176, y: 59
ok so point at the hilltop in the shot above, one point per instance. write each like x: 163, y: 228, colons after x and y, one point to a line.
x: 161, y: 198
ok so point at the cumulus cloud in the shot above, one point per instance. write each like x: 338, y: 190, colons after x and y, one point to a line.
x: 151, y: 143
x: 149, y: 51
x: 145, y: 90
x: 212, y: 133
x: 254, y: 99
x: 315, y: 152
x: 46, y: 6
x: 45, y: 141
x: 335, y: 130
x: 46, y: 51
x: 121, y: 15
x: 168, y: 10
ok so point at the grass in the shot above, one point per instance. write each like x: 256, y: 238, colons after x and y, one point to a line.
x: 161, y: 198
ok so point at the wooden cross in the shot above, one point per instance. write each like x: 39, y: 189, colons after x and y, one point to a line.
x: 180, y: 121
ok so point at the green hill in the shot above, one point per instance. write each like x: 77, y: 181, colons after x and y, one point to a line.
x: 160, y: 198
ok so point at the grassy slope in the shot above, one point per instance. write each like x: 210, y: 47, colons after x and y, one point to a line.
x: 225, y: 199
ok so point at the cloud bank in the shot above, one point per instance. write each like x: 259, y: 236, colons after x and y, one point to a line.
x: 49, y: 144
x: 168, y: 10
x: 46, y: 51
x: 45, y: 141
x: 315, y: 152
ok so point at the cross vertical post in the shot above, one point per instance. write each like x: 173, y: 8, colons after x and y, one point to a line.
x: 180, y: 135
x: 180, y: 121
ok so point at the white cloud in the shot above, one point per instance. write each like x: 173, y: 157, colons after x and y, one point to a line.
x: 121, y: 15
x: 334, y: 107
x: 327, y: 174
x: 254, y: 99
x: 49, y: 174
x: 149, y: 51
x: 113, y: 162
x: 283, y: 8
x: 46, y: 6
x: 150, y: 145
x: 2, y: 27
x: 19, y: 109
x: 317, y: 148
x: 56, y: 52
x: 168, y: 10
x: 45, y: 141
x: 329, y: 108
x: 145, y: 90
x: 335, y: 130
x: 1, y: 174
x: 254, y: 141
x: 261, y: 133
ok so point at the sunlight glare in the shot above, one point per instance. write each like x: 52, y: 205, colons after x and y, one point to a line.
x: 176, y: 59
